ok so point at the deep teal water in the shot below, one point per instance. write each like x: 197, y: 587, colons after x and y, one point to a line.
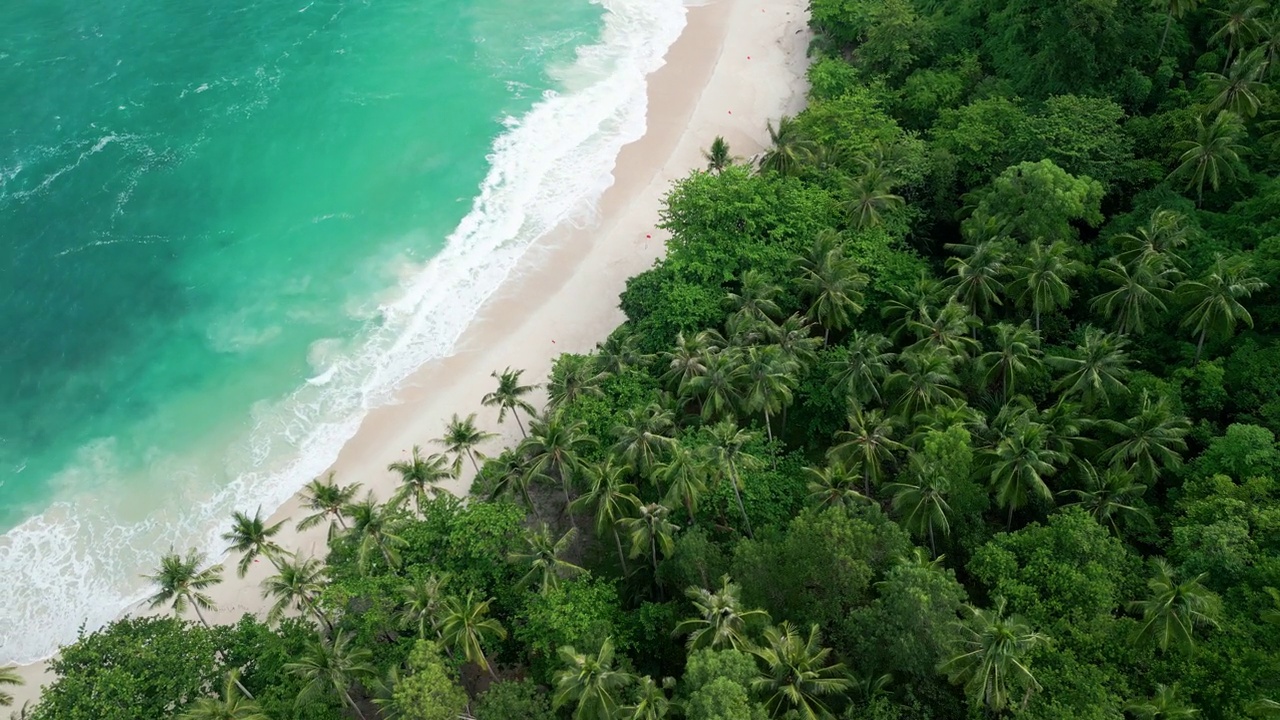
x: 212, y: 215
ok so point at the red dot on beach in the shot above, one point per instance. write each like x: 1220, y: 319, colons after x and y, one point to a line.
x: 647, y: 235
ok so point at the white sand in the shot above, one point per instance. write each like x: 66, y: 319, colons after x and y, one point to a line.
x: 738, y: 64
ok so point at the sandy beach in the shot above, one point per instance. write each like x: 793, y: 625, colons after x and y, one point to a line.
x: 738, y: 64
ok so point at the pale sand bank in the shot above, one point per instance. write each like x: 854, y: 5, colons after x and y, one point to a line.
x: 738, y: 64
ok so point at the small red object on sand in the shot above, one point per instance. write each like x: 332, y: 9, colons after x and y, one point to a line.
x: 647, y: 235
x: 748, y: 57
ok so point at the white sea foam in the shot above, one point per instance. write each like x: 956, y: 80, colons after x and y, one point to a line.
x: 80, y: 561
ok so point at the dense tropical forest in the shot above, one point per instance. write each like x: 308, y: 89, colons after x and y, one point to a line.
x: 960, y: 401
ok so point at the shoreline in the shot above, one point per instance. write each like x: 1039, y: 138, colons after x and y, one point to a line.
x: 736, y: 65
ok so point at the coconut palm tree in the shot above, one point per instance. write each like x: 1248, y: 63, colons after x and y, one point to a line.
x: 834, y: 486
x: 465, y: 629
x: 1164, y: 705
x: 619, y: 352
x: 862, y: 367
x: 757, y: 299
x: 949, y: 328
x: 1158, y: 240
x: 512, y: 478
x: 924, y: 381
x: 181, y: 583
x: 1237, y: 91
x: 992, y: 661
x: 327, y: 500
x: 685, y: 478
x: 375, y: 528
x: 1140, y: 293
x: 231, y: 706
x: 510, y: 396
x: 1019, y: 464
x: 611, y: 498
x: 333, y: 669
x: 9, y: 676
x: 720, y: 619
x: 573, y: 377
x: 726, y: 451
x: 798, y: 674
x: 644, y: 436
x: 1173, y: 610
x: 1016, y: 357
x: 1213, y: 155
x: 543, y: 555
x: 418, y: 478
x: 768, y: 381
x: 794, y: 337
x: 651, y: 533
x: 717, y: 389
x: 554, y: 449
x: 976, y: 275
x: 251, y: 537
x: 868, y: 444
x: 651, y: 701
x: 1174, y: 10
x: 788, y: 149
x: 871, y: 197
x: 1099, y: 369
x: 1214, y: 300
x: 296, y: 587
x: 920, y: 500
x: 1148, y: 441
x: 1109, y: 496
x: 685, y: 362
x: 718, y: 156
x: 461, y: 437
x: 424, y: 602
x: 590, y: 684
x: 833, y: 287
x: 910, y: 306
x: 1241, y: 25
x: 1039, y: 281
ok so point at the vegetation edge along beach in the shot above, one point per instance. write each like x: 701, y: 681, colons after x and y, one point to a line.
x: 957, y: 400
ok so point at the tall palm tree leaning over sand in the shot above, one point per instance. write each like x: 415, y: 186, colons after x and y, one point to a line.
x: 510, y: 396
x: 461, y: 437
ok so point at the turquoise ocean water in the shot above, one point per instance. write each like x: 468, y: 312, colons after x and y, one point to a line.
x: 229, y: 230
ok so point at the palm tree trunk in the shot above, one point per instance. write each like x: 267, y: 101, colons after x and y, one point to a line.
x: 733, y: 474
x: 1200, y: 345
x: 1009, y: 522
x: 621, y: 558
x: 519, y: 424
x: 528, y: 501
x: 564, y: 485
x: 346, y: 695
x: 200, y: 615
x: 1037, y: 319
x: 932, y: 544
x: 768, y: 426
x: 1168, y: 23
x: 474, y: 464
x: 311, y: 605
x: 653, y: 556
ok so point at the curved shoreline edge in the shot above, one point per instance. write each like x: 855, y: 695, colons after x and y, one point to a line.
x: 736, y: 65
